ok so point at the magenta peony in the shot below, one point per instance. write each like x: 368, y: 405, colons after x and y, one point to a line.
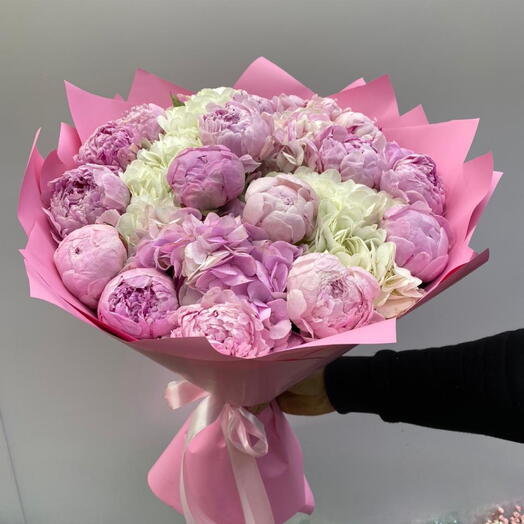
x: 229, y: 322
x: 326, y: 297
x: 413, y: 178
x: 422, y: 239
x: 88, y: 258
x: 206, y: 177
x: 83, y: 194
x: 139, y: 302
x: 284, y: 206
x: 241, y: 127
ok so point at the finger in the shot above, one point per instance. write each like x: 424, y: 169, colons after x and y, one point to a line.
x: 258, y: 408
x: 303, y: 405
x: 296, y: 404
x: 313, y: 385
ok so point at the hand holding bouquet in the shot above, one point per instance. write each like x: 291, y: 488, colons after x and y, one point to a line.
x: 244, y: 237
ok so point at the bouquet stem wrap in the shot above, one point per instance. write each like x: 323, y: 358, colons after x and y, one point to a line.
x: 235, y: 435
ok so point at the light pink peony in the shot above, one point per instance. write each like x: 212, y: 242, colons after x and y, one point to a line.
x: 284, y: 206
x: 206, y: 177
x: 230, y: 323
x: 355, y: 158
x: 241, y: 127
x: 422, y: 239
x: 413, y: 178
x: 284, y: 102
x: 362, y: 127
x: 326, y: 297
x: 143, y: 120
x: 295, y: 131
x: 81, y: 195
x: 139, y: 302
x: 87, y: 259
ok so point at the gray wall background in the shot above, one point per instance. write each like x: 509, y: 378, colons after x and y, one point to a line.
x: 83, y: 415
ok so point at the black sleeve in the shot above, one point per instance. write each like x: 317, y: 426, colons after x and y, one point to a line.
x: 475, y: 387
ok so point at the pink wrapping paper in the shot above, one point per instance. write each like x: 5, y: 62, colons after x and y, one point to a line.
x: 242, y: 382
x: 281, y: 469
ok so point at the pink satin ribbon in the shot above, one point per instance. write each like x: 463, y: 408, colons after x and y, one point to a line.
x: 246, y: 440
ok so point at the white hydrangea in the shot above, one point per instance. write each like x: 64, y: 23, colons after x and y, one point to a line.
x: 348, y: 227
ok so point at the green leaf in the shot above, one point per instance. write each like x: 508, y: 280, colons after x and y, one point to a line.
x: 176, y: 102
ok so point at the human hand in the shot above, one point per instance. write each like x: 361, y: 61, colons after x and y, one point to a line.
x: 307, y: 398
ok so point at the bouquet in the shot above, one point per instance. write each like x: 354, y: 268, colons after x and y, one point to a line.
x: 243, y: 238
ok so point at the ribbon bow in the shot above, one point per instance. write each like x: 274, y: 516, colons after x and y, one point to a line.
x: 246, y: 440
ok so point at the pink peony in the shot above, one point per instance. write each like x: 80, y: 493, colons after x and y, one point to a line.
x: 206, y: 177
x: 422, y: 239
x: 325, y: 297
x: 88, y: 258
x: 81, y: 195
x: 264, y: 105
x: 117, y: 142
x: 241, y: 127
x: 413, y: 178
x: 362, y: 127
x: 285, y: 102
x: 139, y: 302
x: 295, y: 131
x: 284, y: 206
x: 353, y: 157
x: 230, y: 323
x: 143, y: 120
x: 111, y: 144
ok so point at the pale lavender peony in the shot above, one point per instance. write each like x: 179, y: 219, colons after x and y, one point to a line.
x: 230, y: 324
x: 87, y: 259
x: 241, y: 127
x: 362, y: 127
x: 326, y: 297
x: 422, y: 239
x: 139, y: 302
x: 264, y: 105
x: 111, y: 144
x: 143, y: 120
x: 206, y: 177
x: 81, y: 195
x: 284, y: 206
x: 413, y: 178
x: 117, y: 142
x: 355, y: 159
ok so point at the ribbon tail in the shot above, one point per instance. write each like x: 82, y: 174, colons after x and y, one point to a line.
x: 250, y: 486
